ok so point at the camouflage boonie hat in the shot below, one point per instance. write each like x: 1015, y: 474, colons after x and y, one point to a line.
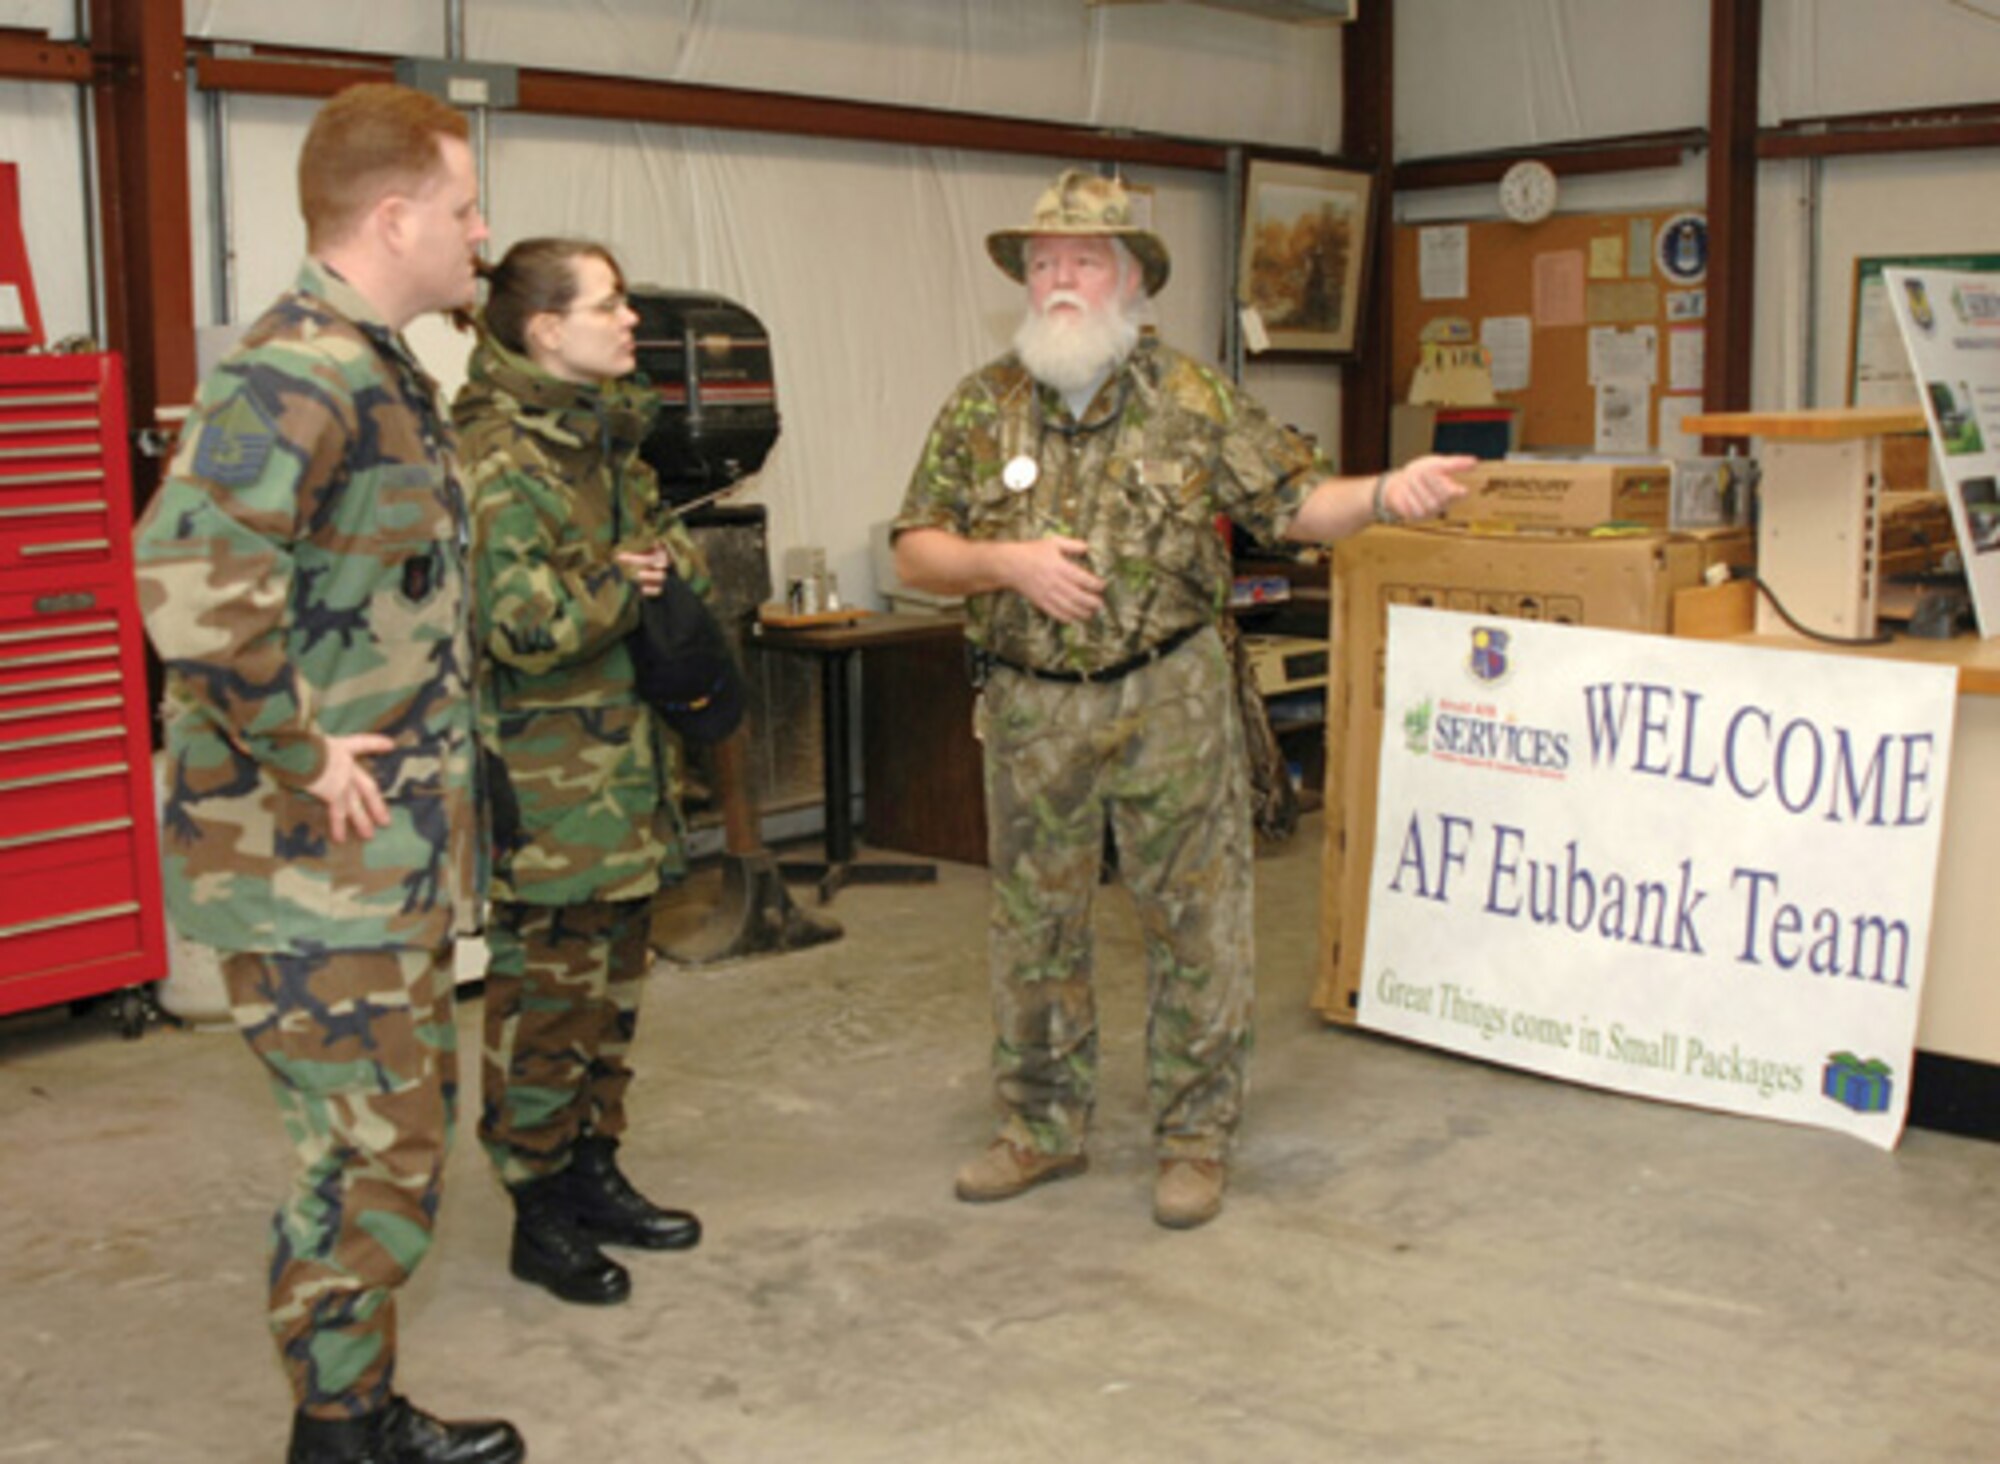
x: 1083, y: 205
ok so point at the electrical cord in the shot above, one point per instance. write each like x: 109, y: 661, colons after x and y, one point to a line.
x: 1744, y: 572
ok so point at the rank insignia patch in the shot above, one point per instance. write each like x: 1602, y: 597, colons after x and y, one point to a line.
x: 236, y: 441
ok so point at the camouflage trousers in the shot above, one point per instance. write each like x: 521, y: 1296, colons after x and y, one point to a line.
x: 363, y: 1057
x: 562, y: 1003
x: 1159, y: 753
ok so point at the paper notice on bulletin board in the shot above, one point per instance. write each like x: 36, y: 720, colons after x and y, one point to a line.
x: 1509, y: 340
x: 1559, y: 288
x: 1622, y: 411
x: 1441, y: 264
x: 1686, y: 351
x: 1624, y: 355
x: 1675, y: 441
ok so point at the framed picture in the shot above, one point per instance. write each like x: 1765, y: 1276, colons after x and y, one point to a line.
x: 1305, y: 243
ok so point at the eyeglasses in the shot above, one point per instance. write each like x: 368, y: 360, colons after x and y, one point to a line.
x: 609, y: 305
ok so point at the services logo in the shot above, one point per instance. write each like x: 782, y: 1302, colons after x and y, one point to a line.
x: 1489, y: 653
x: 1479, y: 731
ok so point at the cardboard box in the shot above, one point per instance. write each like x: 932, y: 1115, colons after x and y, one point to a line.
x: 1624, y: 583
x: 1555, y: 495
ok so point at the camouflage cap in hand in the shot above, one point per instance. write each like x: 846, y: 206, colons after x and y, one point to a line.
x: 1083, y: 205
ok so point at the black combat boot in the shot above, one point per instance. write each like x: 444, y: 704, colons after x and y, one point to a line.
x: 402, y: 1434
x: 604, y: 1202
x: 552, y: 1249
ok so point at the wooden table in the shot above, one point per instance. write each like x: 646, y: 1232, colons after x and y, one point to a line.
x: 836, y: 646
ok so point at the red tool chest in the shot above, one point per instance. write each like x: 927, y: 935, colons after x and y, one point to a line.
x: 80, y: 908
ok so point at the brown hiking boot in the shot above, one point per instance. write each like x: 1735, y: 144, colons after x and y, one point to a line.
x: 1188, y: 1192
x: 1006, y: 1170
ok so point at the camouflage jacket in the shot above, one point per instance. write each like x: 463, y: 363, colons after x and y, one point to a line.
x: 558, y: 488
x: 303, y: 574
x: 1166, y: 445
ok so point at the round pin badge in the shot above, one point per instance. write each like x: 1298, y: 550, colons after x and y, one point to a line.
x: 1020, y: 473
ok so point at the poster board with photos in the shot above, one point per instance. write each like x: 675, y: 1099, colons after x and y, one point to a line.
x: 1949, y: 321
x: 1878, y: 364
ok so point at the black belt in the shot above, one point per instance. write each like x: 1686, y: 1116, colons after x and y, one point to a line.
x: 1117, y: 670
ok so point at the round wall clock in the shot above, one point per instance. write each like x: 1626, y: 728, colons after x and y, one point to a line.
x: 1528, y: 192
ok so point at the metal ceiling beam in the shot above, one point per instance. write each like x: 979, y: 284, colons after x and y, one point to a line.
x: 676, y: 104
x: 32, y: 56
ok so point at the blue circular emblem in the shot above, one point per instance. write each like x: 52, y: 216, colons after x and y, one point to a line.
x: 1681, y: 251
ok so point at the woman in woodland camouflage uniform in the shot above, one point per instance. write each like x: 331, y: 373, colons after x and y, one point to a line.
x: 569, y: 533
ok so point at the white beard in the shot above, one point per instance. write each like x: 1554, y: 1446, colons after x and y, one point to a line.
x: 1069, y: 350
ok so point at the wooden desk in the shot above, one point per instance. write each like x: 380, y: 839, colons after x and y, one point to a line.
x: 836, y: 647
x: 1978, y: 661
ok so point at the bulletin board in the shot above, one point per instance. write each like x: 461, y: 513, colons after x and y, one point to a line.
x: 1566, y: 304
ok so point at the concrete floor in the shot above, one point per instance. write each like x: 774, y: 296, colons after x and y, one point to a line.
x: 1423, y: 1258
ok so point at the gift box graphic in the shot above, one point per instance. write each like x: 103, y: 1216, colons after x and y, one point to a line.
x: 1862, y: 1086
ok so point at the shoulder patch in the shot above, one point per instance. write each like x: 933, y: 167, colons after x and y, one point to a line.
x: 235, y: 442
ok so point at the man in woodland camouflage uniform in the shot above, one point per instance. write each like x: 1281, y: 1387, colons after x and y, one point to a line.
x: 303, y: 576
x: 1069, y: 490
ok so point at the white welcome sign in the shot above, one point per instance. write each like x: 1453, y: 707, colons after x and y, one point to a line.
x: 1679, y: 869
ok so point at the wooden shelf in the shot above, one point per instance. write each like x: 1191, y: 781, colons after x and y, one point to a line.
x: 1824, y: 424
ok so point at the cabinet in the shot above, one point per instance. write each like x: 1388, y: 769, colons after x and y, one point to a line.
x: 80, y: 907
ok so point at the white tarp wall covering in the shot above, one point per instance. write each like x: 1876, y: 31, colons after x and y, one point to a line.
x: 42, y: 135
x: 865, y: 260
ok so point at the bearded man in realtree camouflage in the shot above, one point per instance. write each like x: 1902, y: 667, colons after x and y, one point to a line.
x: 303, y: 576
x: 1069, y: 490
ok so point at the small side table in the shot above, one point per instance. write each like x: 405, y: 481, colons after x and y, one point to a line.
x: 836, y: 646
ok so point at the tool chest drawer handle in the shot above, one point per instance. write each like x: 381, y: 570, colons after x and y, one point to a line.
x: 74, y: 831
x: 79, y: 917
x: 56, y: 632
x: 57, y: 683
x: 64, y: 739
x: 63, y: 708
x: 67, y: 546
x: 79, y: 775
x: 78, y: 449
x: 59, y: 658
x: 48, y: 510
x: 51, y: 399
x: 52, y: 424
x: 42, y: 480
